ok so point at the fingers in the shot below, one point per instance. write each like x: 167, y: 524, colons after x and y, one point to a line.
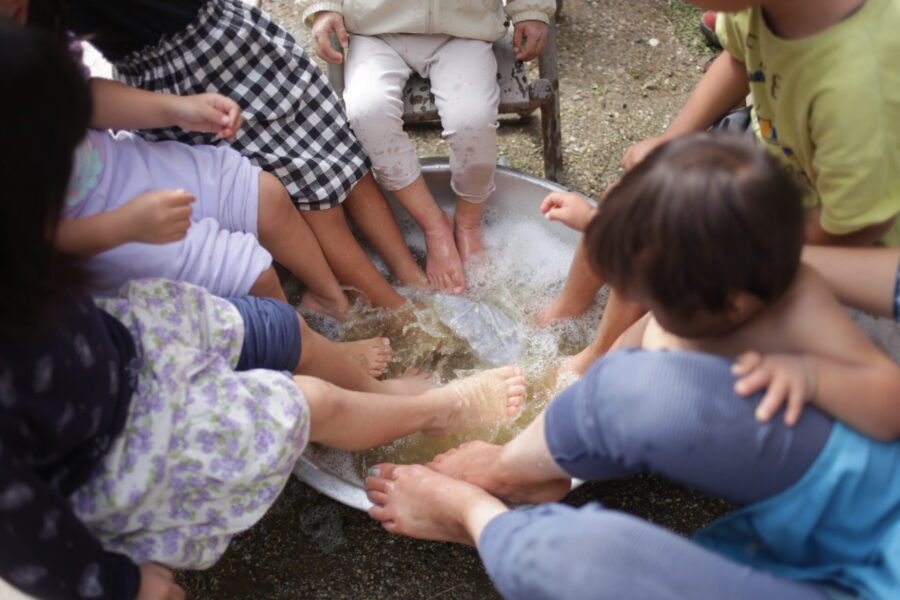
x: 753, y: 382
x: 175, y: 198
x: 794, y: 409
x: 746, y: 362
x: 325, y: 23
x: 772, y: 401
x: 230, y: 118
x: 342, y: 35
x: 518, y: 34
x: 534, y: 34
x: 531, y: 47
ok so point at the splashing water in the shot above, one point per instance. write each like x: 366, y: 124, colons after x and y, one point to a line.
x: 524, y: 266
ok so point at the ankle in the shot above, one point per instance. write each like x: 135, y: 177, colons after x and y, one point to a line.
x: 437, y: 225
x: 468, y: 214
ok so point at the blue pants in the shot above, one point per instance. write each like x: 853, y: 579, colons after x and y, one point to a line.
x: 671, y: 413
x: 271, y: 334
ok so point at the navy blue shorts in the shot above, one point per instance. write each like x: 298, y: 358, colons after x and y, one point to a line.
x: 271, y: 334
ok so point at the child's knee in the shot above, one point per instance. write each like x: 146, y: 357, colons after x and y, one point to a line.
x: 370, y: 109
x: 470, y: 119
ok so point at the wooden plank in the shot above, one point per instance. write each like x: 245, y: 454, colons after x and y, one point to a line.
x: 551, y: 136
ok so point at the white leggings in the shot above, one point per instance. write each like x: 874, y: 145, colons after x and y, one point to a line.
x: 463, y: 76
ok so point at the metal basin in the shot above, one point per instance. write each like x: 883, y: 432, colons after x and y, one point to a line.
x: 332, y: 472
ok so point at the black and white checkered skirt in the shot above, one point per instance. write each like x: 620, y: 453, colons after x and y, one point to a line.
x: 295, y: 126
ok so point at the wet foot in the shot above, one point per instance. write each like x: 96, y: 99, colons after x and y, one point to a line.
x: 412, y: 276
x: 412, y: 382
x: 469, y: 241
x: 579, y: 363
x: 561, y: 308
x: 467, y: 229
x: 488, y: 398
x: 334, y: 306
x: 415, y: 501
x: 372, y: 355
x: 479, y: 463
x: 443, y: 265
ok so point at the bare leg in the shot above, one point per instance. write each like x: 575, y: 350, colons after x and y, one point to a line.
x: 416, y: 501
x: 284, y: 233
x: 618, y: 316
x: 444, y: 268
x: 863, y: 278
x: 522, y: 470
x: 349, y: 420
x: 347, y: 258
x: 268, y: 286
x: 467, y: 229
x: 368, y: 209
x: 327, y: 360
x: 373, y: 354
x: 582, y: 284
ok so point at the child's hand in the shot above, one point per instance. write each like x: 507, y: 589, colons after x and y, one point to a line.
x: 158, y: 217
x: 569, y: 209
x: 638, y: 152
x: 534, y: 33
x: 158, y: 583
x: 208, y: 112
x: 789, y: 378
x: 324, y: 23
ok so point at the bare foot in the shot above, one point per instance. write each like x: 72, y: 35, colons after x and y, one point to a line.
x: 444, y: 267
x: 467, y: 228
x: 561, y: 308
x: 415, y: 501
x: 487, y: 398
x: 468, y: 240
x: 579, y: 363
x: 334, y: 307
x: 373, y: 354
x: 413, y: 277
x: 479, y: 463
x: 412, y: 382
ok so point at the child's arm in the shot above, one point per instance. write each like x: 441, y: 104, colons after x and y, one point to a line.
x: 815, y: 353
x: 568, y: 208
x: 864, y: 278
x: 816, y: 234
x: 864, y: 396
x: 119, y: 106
x: 723, y: 86
x: 157, y: 217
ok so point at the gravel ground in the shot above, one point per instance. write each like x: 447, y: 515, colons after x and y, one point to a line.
x: 624, y: 72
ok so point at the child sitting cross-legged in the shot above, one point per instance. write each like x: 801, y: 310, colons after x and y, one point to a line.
x: 148, y: 428
x: 707, y: 232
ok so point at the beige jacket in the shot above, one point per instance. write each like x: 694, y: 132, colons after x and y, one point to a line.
x: 474, y: 19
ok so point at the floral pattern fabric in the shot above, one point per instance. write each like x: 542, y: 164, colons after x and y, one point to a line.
x: 205, y: 450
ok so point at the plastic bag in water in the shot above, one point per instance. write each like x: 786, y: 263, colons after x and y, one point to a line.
x: 493, y: 336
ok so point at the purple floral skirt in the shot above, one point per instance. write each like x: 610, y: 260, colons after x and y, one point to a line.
x: 205, y: 450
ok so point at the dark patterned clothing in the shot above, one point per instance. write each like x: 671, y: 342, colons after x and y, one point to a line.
x: 294, y: 124
x: 64, y: 397
x: 125, y: 26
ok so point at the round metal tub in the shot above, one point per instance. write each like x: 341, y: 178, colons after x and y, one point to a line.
x: 332, y: 471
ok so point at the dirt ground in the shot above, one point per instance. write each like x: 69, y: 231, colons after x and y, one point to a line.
x: 625, y: 66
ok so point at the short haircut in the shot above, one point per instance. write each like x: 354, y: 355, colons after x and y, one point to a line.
x: 45, y: 106
x: 700, y: 218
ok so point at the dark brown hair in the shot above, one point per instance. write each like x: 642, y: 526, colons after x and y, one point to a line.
x: 701, y: 217
x: 45, y: 106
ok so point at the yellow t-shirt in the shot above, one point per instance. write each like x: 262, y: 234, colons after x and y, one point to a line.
x: 828, y: 107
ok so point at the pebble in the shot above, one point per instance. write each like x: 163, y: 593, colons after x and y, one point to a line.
x: 653, y: 42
